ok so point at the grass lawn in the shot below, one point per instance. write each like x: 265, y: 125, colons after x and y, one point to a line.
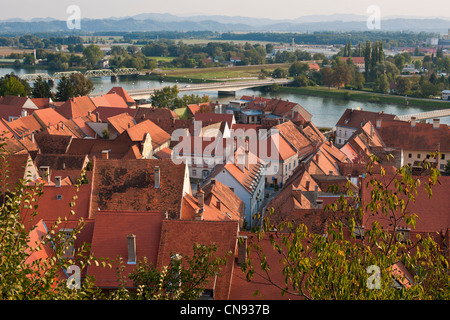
x: 235, y: 72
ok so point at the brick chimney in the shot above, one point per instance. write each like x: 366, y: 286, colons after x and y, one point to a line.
x: 131, y: 244
x: 105, y: 154
x: 378, y: 123
x: 58, y: 181
x: 436, y: 124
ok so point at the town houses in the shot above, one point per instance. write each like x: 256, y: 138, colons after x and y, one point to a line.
x: 149, y: 182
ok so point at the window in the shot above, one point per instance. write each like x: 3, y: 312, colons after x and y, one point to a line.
x: 194, y: 172
x: 410, y: 155
x: 442, y: 156
x: 418, y: 156
x: 59, y: 197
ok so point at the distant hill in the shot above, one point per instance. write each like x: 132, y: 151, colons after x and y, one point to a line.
x: 217, y: 23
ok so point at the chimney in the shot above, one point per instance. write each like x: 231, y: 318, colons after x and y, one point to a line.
x: 378, y: 123
x: 201, y: 203
x: 316, y: 193
x: 24, y: 113
x: 308, y: 183
x: 242, y: 249
x: 44, y: 172
x: 413, y: 122
x: 105, y: 154
x: 131, y: 243
x: 32, y: 137
x: 58, y: 181
x: 297, y: 194
x: 97, y: 117
x: 218, y: 204
x: 157, y: 177
x: 436, y: 124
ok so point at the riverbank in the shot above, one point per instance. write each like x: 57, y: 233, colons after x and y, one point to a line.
x: 345, y: 94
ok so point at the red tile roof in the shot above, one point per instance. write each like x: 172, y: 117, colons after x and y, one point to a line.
x: 179, y: 236
x: 138, y: 132
x: 154, y: 114
x: 109, y: 240
x: 121, y: 122
x: 400, y: 134
x: 110, y: 100
x: 214, y: 117
x: 354, y: 118
x: 432, y: 212
x: 76, y: 107
x: 124, y: 94
x: 293, y: 135
x: 129, y: 185
x: 48, y: 117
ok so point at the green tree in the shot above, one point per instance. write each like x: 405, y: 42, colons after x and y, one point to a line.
x: 298, y: 68
x: 165, y: 97
x: 383, y: 84
x: 22, y: 275
x: 400, y: 61
x: 403, y: 85
x: 358, y: 80
x: 82, y: 85
x: 93, y: 54
x: 41, y: 89
x: 64, y: 89
x: 331, y: 265
x: 185, y: 278
x: 12, y: 85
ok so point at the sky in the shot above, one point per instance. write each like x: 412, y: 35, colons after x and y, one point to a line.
x: 279, y: 9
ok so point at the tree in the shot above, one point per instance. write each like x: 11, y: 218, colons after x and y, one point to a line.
x: 13, y: 85
x: 165, y: 97
x: 64, y: 89
x: 383, y: 84
x: 93, y: 54
x: 358, y: 80
x: 361, y: 265
x: 279, y: 73
x: 22, y: 275
x: 41, y: 89
x: 403, y: 85
x: 400, y: 61
x: 301, y: 81
x: 298, y: 68
x: 82, y: 85
x: 341, y: 73
x: 185, y: 278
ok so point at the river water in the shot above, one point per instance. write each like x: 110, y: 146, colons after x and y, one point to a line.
x: 325, y: 111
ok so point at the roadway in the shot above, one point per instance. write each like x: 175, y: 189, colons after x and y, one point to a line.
x: 227, y: 86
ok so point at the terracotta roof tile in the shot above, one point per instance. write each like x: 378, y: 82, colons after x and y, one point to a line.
x: 124, y: 94
x: 179, y: 236
x: 76, y: 107
x: 129, y: 185
x: 110, y: 241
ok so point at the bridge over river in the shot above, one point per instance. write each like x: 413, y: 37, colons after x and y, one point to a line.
x: 223, y: 88
x: 426, y: 115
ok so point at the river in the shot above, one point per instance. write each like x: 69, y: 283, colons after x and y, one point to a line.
x: 325, y: 111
